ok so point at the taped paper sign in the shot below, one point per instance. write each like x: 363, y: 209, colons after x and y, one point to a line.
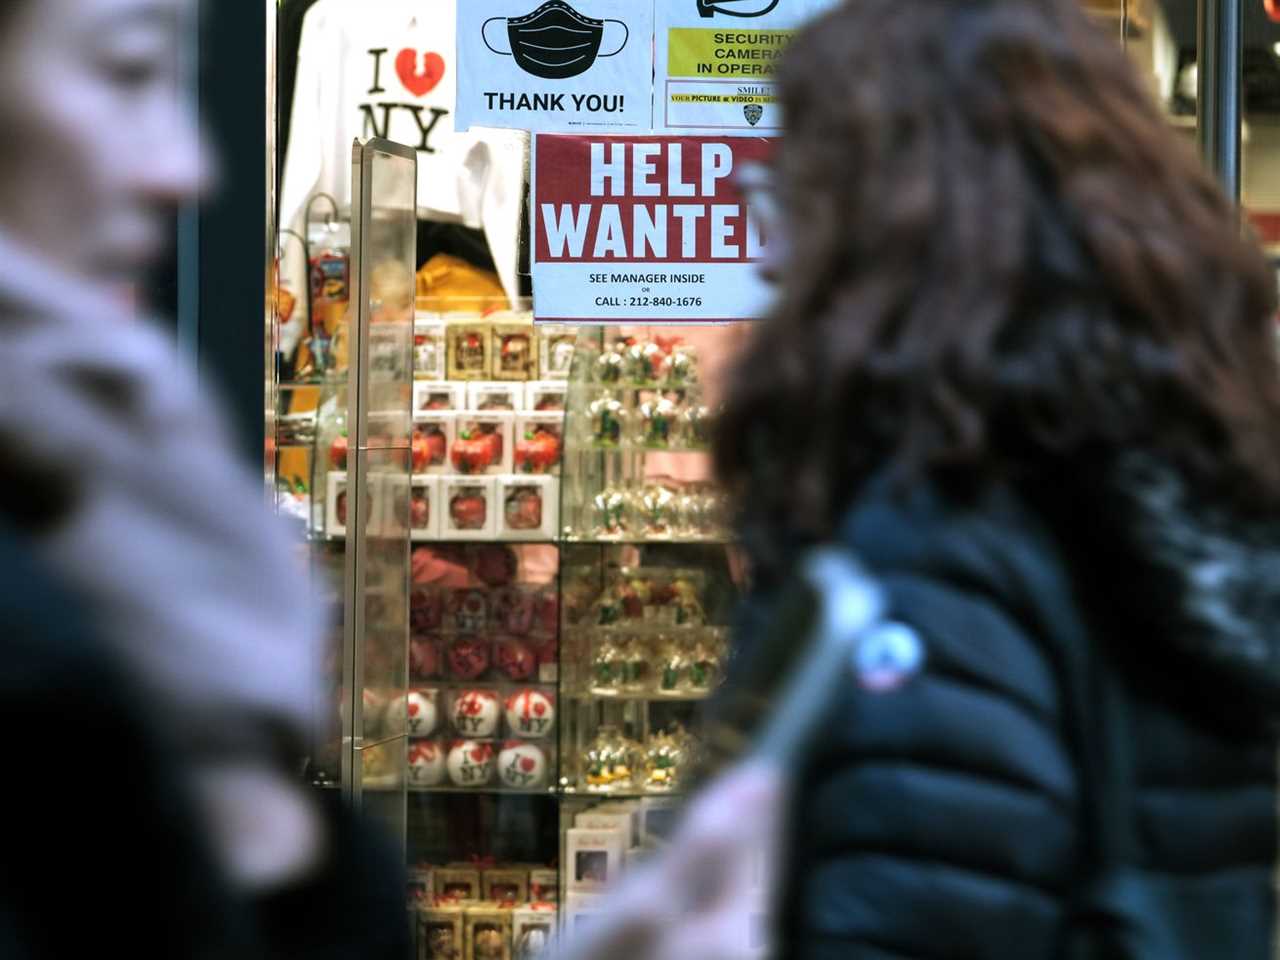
x: 580, y: 65
x: 716, y: 61
x: 645, y: 229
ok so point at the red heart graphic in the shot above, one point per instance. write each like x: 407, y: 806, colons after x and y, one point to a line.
x: 539, y: 708
x: 480, y: 754
x: 419, y: 82
x: 528, y: 763
x: 413, y: 709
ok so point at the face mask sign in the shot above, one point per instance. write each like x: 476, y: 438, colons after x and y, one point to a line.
x: 736, y: 8
x: 556, y: 42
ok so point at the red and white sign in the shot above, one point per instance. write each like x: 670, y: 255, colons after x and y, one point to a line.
x: 645, y: 229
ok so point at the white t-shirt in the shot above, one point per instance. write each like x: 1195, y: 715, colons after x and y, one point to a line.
x: 388, y: 69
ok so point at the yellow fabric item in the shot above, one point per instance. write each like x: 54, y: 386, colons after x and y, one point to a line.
x: 448, y: 284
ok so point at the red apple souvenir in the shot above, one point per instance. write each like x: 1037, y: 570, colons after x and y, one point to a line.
x: 468, y: 611
x: 469, y: 511
x: 546, y: 614
x: 513, y: 611
x: 537, y: 452
x: 474, y: 451
x: 424, y: 658
x: 514, y: 658
x: 494, y: 565
x: 426, y: 609
x: 338, y: 452
x: 421, y: 451
x: 468, y: 658
x: 524, y: 509
x: 419, y: 510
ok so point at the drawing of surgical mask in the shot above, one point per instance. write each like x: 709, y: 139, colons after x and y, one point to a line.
x: 736, y: 8
x: 555, y: 41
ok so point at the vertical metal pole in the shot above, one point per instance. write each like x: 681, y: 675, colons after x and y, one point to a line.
x: 1219, y: 69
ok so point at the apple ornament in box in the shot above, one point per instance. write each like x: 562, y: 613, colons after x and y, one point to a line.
x: 426, y: 763
x: 522, y: 764
x: 513, y: 611
x: 537, y: 451
x: 468, y: 657
x: 476, y: 713
x: 428, y: 449
x: 424, y: 658
x: 530, y: 713
x: 474, y: 450
x: 515, y: 658
x: 470, y: 763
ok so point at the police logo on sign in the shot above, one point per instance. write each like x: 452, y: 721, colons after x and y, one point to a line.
x: 753, y: 112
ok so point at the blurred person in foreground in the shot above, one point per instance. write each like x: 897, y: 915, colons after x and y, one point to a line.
x: 1022, y: 364
x: 159, y: 657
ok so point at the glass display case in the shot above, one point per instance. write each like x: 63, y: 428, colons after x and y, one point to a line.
x: 571, y: 587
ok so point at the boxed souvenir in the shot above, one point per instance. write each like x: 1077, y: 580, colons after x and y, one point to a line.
x: 440, y: 933
x: 505, y: 885
x: 470, y: 763
x: 483, y: 442
x: 391, y: 493
x: 428, y: 349
x: 608, y: 817
x: 659, y: 817
x: 470, y: 508
x: 541, y: 396
x: 539, y: 439
x: 337, y: 506
x: 594, y: 856
x: 456, y: 883
x: 439, y: 395
x: 544, y: 885
x: 523, y: 765
x: 494, y: 395
x: 420, y: 890
x: 530, y: 507
x: 488, y: 932
x: 583, y: 908
x: 515, y: 658
x: 515, y: 356
x: 532, y: 929
x: 468, y: 350
x: 424, y: 508
x: 556, y: 346
x: 433, y: 433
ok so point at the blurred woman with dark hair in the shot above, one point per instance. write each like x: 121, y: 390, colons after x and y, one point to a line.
x: 1022, y: 364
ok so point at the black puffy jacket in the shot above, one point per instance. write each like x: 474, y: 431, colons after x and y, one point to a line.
x: 1085, y: 755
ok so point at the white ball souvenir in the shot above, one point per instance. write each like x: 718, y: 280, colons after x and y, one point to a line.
x: 530, y: 713
x: 426, y: 763
x: 374, y: 709
x: 421, y: 715
x: 470, y: 763
x: 476, y: 713
x: 522, y: 764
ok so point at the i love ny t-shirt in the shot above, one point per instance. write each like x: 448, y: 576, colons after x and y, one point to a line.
x: 388, y: 69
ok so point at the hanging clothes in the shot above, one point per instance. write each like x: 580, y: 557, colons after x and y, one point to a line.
x: 389, y: 70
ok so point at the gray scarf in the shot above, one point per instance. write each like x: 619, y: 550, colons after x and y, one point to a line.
x: 166, y: 538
